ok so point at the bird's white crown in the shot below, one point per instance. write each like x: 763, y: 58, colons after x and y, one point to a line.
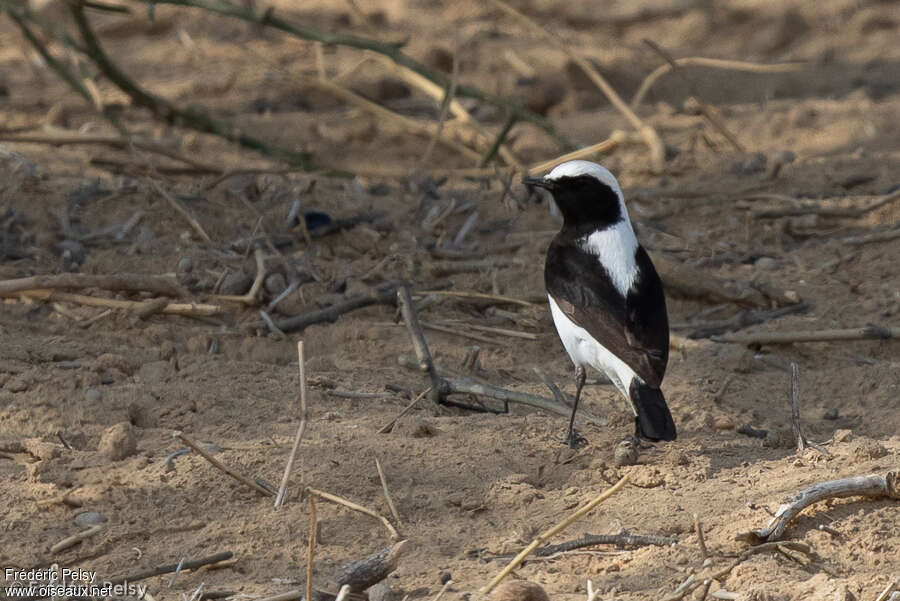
x: 576, y: 168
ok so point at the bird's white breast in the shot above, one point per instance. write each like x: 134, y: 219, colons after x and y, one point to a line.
x: 584, y: 349
x: 615, y: 248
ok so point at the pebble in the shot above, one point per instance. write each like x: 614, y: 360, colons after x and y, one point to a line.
x: 93, y: 395
x: 118, y: 442
x: 275, y: 284
x: 723, y: 423
x: 236, y: 283
x: 755, y: 163
x: 90, y: 518
x: 767, y: 263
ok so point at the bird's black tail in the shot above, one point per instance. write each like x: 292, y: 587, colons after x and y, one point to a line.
x: 654, y: 421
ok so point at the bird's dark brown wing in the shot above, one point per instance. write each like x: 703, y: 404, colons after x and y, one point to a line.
x: 634, y: 328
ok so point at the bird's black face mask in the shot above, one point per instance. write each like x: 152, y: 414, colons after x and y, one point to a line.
x: 584, y: 201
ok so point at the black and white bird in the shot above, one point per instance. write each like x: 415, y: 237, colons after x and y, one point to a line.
x: 606, y: 298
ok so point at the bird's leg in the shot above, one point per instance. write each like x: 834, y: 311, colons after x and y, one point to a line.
x: 572, y: 438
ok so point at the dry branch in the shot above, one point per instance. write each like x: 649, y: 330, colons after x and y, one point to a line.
x: 129, y: 282
x: 593, y: 540
x: 693, y: 283
x: 714, y: 63
x: 650, y: 135
x: 169, y: 568
x: 410, y: 316
x: 384, y: 294
x: 860, y: 486
x: 873, y: 237
x: 218, y: 464
x: 545, y: 535
x: 185, y: 309
x: 190, y: 117
x: 71, y: 541
x: 371, y: 569
x: 871, y: 332
x: 304, y: 416
x: 355, y: 507
x: 392, y: 51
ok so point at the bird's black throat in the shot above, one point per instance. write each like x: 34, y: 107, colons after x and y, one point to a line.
x: 587, y: 204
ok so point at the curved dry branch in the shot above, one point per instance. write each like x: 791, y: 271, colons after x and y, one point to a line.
x: 162, y: 108
x: 392, y: 51
x: 714, y: 63
x: 859, y: 486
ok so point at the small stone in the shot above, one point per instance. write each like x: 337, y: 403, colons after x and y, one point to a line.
x: 236, y: 283
x: 90, y: 518
x: 275, y: 284
x: 627, y: 451
x: 118, y: 442
x: 519, y: 590
x: 767, y: 263
x: 831, y: 414
x: 445, y: 577
x: 93, y: 395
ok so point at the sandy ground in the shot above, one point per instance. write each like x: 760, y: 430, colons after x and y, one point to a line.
x: 466, y: 485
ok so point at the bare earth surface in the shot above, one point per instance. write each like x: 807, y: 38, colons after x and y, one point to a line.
x: 466, y: 485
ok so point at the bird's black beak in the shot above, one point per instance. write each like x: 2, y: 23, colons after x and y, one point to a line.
x: 539, y: 182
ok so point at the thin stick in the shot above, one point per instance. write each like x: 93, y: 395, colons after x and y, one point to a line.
x: 218, y: 464
x: 384, y: 294
x: 443, y: 590
x: 250, y: 298
x: 387, y: 493
x: 860, y: 486
x: 867, y: 333
x: 543, y: 536
x: 128, y: 282
x: 445, y: 103
x: 874, y: 237
x: 167, y: 569
x: 385, y: 428
x: 707, y: 111
x: 617, y: 138
x: 700, y: 540
x: 304, y: 415
x: 887, y: 590
x: 372, y: 568
x: 592, y: 540
x: 311, y: 547
x: 71, y: 541
x: 181, y: 210
x: 340, y: 501
x: 185, y: 309
x: 650, y: 135
x: 714, y: 63
x: 410, y: 316
x: 466, y: 386
x: 795, y: 408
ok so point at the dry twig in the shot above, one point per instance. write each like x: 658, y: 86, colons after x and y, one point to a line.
x: 387, y: 493
x: 545, y: 535
x: 355, y: 507
x: 71, y: 541
x: 311, y: 546
x: 871, y: 332
x: 304, y: 416
x: 221, y: 466
x: 650, y: 135
x: 860, y: 486
x: 373, y: 568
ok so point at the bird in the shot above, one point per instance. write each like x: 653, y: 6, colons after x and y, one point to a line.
x: 606, y: 298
